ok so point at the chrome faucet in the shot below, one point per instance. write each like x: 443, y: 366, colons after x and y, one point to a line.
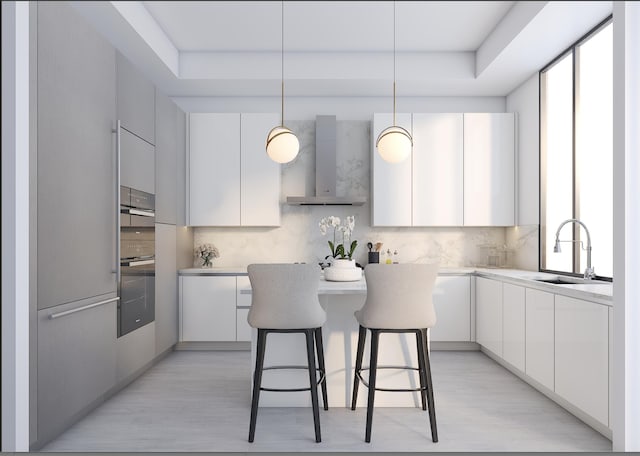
x: 589, y: 272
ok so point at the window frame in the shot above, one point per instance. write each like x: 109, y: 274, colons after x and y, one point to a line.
x: 573, y: 50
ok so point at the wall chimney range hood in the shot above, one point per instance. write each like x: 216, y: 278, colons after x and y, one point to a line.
x: 326, y: 170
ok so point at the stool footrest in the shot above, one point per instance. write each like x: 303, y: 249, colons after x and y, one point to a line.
x: 292, y: 390
x: 393, y: 390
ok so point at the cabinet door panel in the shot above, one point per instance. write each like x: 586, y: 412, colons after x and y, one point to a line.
x: 259, y: 175
x: 437, y: 169
x: 181, y: 168
x: 489, y: 169
x: 209, y: 308
x: 513, y: 312
x: 166, y: 288
x: 582, y: 355
x: 136, y: 100
x: 76, y: 362
x: 167, y: 140
x: 489, y: 314
x: 214, y: 169
x: 452, y: 302
x: 539, y: 336
x: 76, y: 158
x: 391, y: 182
x: 137, y: 163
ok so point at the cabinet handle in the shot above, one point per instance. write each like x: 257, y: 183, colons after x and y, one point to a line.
x: 116, y: 270
x: 53, y: 316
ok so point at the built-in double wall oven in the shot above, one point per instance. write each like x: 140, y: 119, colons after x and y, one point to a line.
x: 137, y: 260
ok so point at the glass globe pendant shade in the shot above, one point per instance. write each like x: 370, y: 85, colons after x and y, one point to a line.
x: 282, y: 145
x: 394, y: 144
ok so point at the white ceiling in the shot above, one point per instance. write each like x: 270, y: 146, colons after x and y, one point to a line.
x: 340, y: 48
x: 315, y: 26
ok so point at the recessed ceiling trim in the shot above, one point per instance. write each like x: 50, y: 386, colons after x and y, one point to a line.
x: 146, y: 26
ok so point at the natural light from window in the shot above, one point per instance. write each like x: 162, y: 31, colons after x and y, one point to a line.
x: 576, y: 141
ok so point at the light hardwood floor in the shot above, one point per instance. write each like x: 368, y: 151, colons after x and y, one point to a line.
x: 199, y: 401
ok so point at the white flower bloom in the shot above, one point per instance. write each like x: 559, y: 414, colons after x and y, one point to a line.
x: 335, y: 221
x: 323, y: 229
x: 351, y: 222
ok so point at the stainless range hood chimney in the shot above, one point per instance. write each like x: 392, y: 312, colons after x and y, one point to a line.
x: 325, y: 170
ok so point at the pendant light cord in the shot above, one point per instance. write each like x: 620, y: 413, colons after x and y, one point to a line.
x: 282, y: 63
x: 394, y: 62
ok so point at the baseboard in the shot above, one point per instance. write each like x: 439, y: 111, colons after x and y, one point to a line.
x: 214, y: 346
x: 454, y: 346
x: 568, y: 406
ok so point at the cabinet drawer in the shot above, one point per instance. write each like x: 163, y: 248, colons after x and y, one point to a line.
x: 76, y: 361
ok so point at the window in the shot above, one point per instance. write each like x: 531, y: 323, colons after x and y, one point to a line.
x: 576, y: 154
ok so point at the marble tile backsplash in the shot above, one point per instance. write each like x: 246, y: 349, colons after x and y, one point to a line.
x: 299, y: 238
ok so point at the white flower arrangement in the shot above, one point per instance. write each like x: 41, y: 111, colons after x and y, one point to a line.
x: 206, y: 253
x: 346, y: 229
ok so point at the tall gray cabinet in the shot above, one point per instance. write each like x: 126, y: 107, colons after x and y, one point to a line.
x: 75, y: 218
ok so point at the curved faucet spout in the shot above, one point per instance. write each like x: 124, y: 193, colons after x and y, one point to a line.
x: 589, y: 272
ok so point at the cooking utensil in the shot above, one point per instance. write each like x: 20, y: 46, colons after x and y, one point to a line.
x: 369, y: 246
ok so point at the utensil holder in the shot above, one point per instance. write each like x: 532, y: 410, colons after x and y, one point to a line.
x: 374, y: 257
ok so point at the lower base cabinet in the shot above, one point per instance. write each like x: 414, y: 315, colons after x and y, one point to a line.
x: 540, y: 337
x: 489, y: 314
x: 208, y: 308
x: 452, y: 303
x: 582, y: 355
x: 513, y: 329
x: 76, y: 361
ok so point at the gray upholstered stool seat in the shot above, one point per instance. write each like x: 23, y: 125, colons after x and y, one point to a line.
x: 285, y: 300
x: 399, y: 300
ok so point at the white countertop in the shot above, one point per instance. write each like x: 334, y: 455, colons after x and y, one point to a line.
x: 598, y: 292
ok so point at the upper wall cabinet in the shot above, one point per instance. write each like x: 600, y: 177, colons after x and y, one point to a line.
x: 391, y: 189
x: 437, y: 169
x: 136, y: 100
x: 259, y: 175
x: 489, y: 169
x: 460, y: 173
x: 231, y: 180
x: 169, y: 142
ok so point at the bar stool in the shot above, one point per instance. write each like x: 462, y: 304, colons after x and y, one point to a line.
x: 399, y: 300
x: 285, y: 300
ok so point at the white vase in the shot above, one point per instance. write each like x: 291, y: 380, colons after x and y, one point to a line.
x: 343, y: 263
x: 343, y: 270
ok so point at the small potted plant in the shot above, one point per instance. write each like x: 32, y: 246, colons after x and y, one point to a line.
x: 341, y: 253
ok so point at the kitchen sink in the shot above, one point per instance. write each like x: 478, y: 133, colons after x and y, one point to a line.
x: 560, y: 280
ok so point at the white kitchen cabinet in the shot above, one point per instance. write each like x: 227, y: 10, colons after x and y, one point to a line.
x: 232, y: 182
x: 540, y: 337
x: 208, y: 308
x: 166, y: 283
x: 214, y: 169
x: 391, y: 182
x: 452, y: 302
x: 582, y: 355
x: 259, y: 175
x: 137, y: 163
x: 437, y: 169
x: 489, y: 314
x: 513, y: 325
x: 489, y: 169
x: 135, y: 100
x: 243, y: 304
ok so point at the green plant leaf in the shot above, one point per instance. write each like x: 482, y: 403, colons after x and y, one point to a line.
x: 354, y: 244
x: 333, y: 252
x: 340, y: 251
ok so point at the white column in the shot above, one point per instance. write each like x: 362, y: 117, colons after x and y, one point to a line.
x: 15, y: 226
x: 625, y: 419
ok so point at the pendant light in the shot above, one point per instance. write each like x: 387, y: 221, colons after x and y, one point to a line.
x: 282, y: 143
x: 394, y: 143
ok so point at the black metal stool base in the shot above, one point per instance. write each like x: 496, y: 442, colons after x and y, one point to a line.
x: 424, y: 368
x: 310, y: 334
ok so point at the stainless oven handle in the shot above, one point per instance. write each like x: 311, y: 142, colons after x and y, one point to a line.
x: 116, y: 270
x: 137, y: 262
x: 141, y: 212
x: 53, y: 316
